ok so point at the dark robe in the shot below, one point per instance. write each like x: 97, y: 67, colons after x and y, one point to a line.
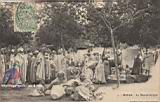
x: 33, y: 70
x: 137, y: 66
x: 29, y: 68
x: 156, y: 56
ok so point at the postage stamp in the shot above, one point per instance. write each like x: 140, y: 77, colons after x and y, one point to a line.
x: 25, y: 19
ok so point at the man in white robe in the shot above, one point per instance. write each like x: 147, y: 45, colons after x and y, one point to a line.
x: 99, y: 74
x: 40, y: 73
x: 25, y: 56
x: 58, y: 61
x: 53, y: 69
x: 52, y: 65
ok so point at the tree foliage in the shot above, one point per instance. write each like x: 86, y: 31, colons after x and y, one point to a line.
x: 62, y: 23
x: 7, y: 35
x: 60, y: 27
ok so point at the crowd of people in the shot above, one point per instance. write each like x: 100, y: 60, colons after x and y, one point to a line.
x: 19, y: 66
x: 43, y: 66
x: 62, y: 68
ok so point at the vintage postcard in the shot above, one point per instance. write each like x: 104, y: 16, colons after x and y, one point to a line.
x: 74, y: 51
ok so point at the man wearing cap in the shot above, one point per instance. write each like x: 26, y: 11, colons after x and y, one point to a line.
x: 12, y: 58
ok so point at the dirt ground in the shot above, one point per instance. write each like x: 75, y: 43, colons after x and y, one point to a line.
x: 21, y: 95
x: 137, y: 92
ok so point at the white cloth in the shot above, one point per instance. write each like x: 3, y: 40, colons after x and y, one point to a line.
x: 25, y: 56
x: 99, y: 73
x: 149, y: 61
x: 58, y: 61
x: 84, y: 92
x: 57, y: 91
x: 88, y: 73
x: 38, y: 91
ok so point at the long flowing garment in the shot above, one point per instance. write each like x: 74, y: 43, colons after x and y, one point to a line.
x: 137, y: 66
x: 89, y: 73
x: 23, y: 66
x: 148, y: 63
x: 32, y: 70
x: 20, y: 60
x: 17, y: 76
x: 40, y: 73
x: 64, y: 65
x: 107, y: 69
x: 12, y: 60
x: 29, y: 68
x: 58, y: 62
x: 2, y: 67
x: 6, y: 61
x: 12, y: 75
x: 99, y: 74
x: 53, y: 70
x: 156, y: 56
x: 76, y: 58
x: 47, y: 69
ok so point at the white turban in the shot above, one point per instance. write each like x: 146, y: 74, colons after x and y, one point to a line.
x: 20, y: 49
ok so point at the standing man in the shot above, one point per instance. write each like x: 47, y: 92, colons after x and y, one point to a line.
x: 40, y: 73
x: 33, y: 68
x: 137, y: 66
x: 47, y: 66
x: 2, y: 65
x: 12, y: 58
x: 22, y: 63
x: 29, y: 59
x: 156, y: 56
x: 107, y: 68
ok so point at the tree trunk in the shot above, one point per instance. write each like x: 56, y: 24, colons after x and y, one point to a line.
x: 115, y: 56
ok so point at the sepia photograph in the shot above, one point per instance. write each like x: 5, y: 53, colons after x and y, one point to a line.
x: 79, y: 50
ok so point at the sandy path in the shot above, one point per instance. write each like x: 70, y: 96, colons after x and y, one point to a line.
x: 136, y: 92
